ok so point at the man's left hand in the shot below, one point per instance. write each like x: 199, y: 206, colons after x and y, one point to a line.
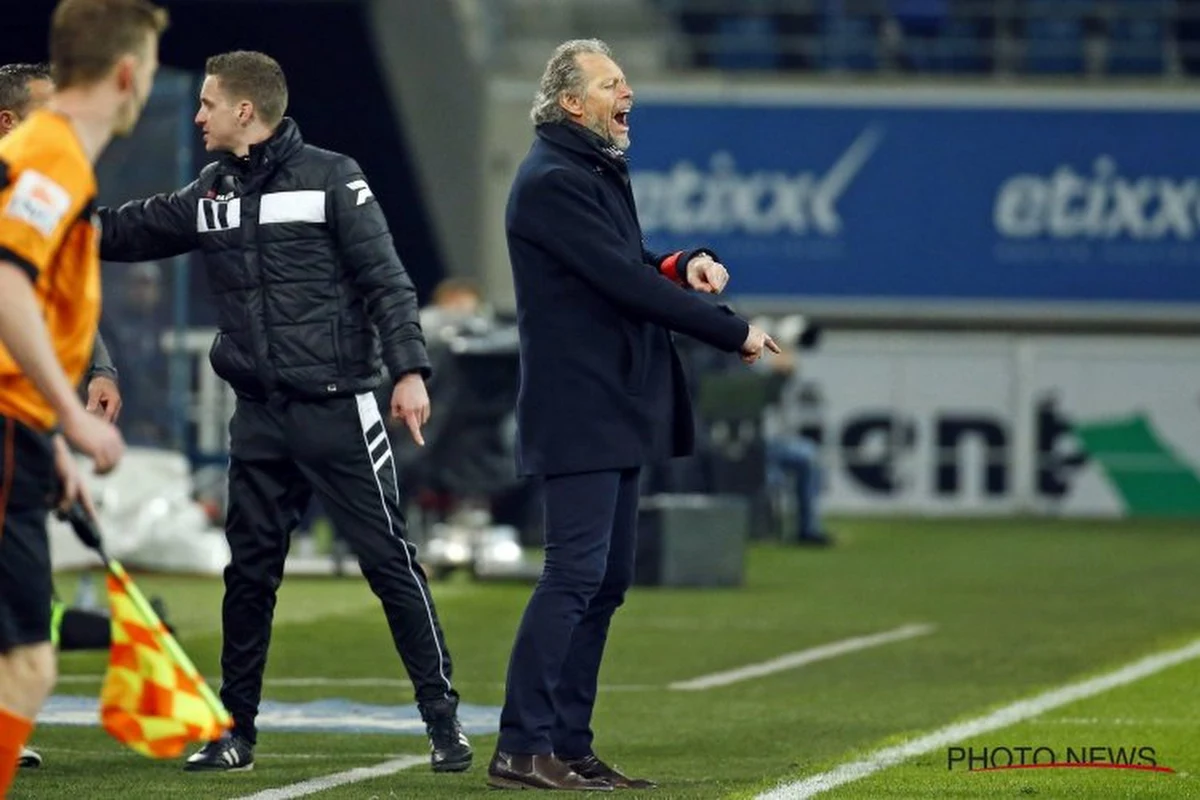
x: 104, y: 398
x: 706, y: 275
x: 410, y: 402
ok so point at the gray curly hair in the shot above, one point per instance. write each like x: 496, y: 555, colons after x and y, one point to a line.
x: 563, y: 75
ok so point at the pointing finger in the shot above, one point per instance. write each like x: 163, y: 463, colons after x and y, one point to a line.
x: 414, y: 428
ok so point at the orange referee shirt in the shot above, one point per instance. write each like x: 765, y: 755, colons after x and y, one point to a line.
x: 47, y: 189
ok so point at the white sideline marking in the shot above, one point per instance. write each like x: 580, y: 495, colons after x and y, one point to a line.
x: 1140, y: 723
x: 784, y: 662
x: 367, y: 683
x: 1001, y: 718
x: 800, y: 658
x: 373, y: 683
x: 41, y: 748
x: 314, y: 785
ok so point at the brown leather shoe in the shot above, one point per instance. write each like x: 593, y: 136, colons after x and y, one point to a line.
x: 593, y: 768
x: 522, y: 771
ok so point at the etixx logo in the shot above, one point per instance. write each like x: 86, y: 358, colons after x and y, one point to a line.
x: 1097, y: 205
x: 721, y: 198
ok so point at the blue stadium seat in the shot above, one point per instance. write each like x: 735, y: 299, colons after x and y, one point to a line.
x: 968, y: 45
x: 942, y: 36
x: 849, y: 39
x: 746, y: 41
x: 1054, y: 36
x: 922, y: 24
x: 1136, y: 37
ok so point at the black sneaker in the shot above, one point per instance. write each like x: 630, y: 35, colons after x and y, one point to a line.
x: 29, y: 758
x: 449, y: 749
x: 230, y: 753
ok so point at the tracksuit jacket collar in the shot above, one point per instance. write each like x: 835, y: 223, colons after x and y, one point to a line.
x: 269, y: 154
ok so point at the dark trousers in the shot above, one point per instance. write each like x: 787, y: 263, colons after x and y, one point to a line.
x: 28, y: 489
x: 282, y: 452
x: 591, y: 531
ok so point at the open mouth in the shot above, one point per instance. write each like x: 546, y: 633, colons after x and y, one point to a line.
x: 622, y: 119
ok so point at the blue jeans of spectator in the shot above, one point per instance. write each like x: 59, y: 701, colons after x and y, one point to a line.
x: 798, y: 456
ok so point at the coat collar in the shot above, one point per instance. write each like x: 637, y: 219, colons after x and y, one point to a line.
x: 580, y: 140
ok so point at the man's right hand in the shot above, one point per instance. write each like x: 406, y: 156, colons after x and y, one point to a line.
x: 757, y: 340
x: 410, y: 403
x: 94, y: 437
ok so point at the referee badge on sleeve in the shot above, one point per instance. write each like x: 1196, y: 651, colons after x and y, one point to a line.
x: 38, y: 201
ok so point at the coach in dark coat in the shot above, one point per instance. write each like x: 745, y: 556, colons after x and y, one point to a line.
x: 602, y: 394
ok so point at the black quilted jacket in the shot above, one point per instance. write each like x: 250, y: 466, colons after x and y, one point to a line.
x: 312, y: 299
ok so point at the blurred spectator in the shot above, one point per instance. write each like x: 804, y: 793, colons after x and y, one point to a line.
x: 468, y: 463
x: 735, y: 451
x: 134, y: 322
x: 794, y: 454
x: 456, y: 303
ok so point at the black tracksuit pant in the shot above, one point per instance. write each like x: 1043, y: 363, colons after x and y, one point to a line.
x: 280, y: 453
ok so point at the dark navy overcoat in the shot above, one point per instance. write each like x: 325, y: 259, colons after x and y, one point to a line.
x: 601, y: 384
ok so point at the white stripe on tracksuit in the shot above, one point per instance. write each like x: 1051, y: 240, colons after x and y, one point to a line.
x: 368, y: 416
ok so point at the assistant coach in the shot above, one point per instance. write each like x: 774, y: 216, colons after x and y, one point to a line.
x: 312, y: 304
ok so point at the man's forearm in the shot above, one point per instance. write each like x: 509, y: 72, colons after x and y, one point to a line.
x: 24, y: 335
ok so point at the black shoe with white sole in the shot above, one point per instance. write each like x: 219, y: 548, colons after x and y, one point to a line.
x: 29, y: 758
x: 230, y: 753
x: 449, y: 749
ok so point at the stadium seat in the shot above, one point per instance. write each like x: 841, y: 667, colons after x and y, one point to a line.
x: 968, y: 43
x: 1054, y: 36
x: 1136, y: 38
x: 922, y: 25
x: 848, y: 39
x: 746, y: 42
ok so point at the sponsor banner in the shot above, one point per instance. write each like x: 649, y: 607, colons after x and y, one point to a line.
x: 879, y: 200
x: 1003, y: 424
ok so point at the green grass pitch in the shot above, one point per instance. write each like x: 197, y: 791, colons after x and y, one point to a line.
x: 1019, y: 607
